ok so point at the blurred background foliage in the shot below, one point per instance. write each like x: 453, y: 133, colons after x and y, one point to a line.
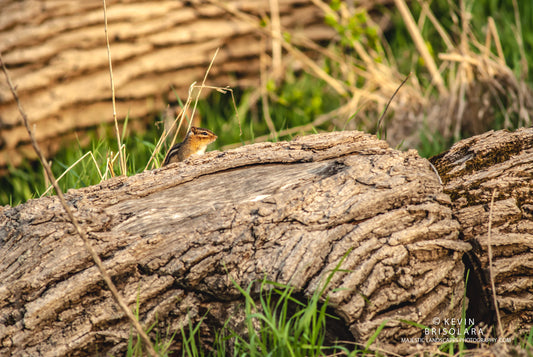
x: 362, y: 68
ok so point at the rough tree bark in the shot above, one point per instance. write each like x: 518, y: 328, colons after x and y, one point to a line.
x: 175, y: 237
x: 472, y: 170
x: 56, y: 53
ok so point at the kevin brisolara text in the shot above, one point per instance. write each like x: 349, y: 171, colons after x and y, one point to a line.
x: 426, y: 340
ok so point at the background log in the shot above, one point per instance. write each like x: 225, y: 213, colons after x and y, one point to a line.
x: 472, y: 170
x: 173, y: 238
x: 56, y: 53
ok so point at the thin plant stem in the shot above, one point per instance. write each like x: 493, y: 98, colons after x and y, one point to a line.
x: 380, y: 121
x: 122, y: 155
x: 79, y: 230
x: 491, y: 272
x: 88, y: 153
x: 264, y: 94
x: 496, y: 39
x: 276, y: 35
x: 202, y: 86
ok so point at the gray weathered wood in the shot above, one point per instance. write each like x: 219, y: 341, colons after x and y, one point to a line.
x: 175, y: 237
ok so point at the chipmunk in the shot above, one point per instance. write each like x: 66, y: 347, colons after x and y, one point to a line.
x: 195, y: 143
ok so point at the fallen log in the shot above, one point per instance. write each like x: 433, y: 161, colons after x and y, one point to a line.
x: 173, y: 239
x: 498, y: 166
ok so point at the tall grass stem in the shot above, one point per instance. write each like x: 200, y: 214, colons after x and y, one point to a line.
x: 491, y: 272
x: 122, y: 154
x: 81, y: 232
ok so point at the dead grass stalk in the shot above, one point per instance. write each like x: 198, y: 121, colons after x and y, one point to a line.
x: 121, y: 150
x: 79, y: 230
x: 491, y: 271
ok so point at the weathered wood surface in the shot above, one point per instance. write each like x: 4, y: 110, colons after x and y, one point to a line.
x: 56, y: 53
x: 472, y: 170
x: 175, y: 237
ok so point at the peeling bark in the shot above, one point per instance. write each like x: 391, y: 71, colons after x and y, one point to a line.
x: 175, y: 237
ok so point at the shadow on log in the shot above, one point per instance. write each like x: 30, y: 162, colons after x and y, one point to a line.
x: 175, y: 237
x: 472, y: 170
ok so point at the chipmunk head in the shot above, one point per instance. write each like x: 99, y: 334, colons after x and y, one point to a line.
x: 199, y: 138
x: 202, y: 134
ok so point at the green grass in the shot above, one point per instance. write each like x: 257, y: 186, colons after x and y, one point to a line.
x: 279, y: 322
x: 27, y: 181
x: 298, y: 101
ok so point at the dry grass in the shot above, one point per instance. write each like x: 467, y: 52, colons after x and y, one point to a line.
x: 470, y: 84
x: 475, y: 78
